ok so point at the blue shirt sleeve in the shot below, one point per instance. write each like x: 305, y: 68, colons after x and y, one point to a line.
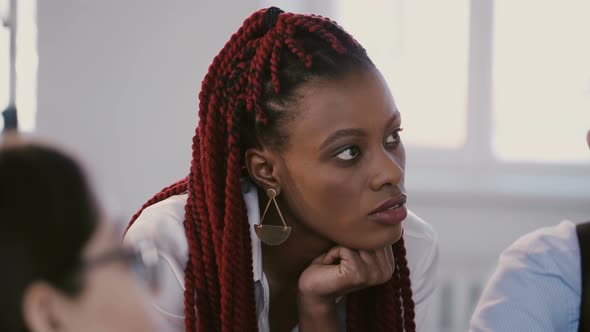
x: 536, y: 286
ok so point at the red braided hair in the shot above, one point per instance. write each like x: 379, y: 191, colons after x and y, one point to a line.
x: 242, y: 102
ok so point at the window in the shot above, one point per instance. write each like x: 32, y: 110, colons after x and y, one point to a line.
x: 26, y: 60
x: 423, y: 56
x: 4, y: 58
x: 486, y: 80
x: 541, y: 75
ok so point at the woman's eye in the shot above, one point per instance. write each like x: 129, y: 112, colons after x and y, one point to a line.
x: 349, y: 154
x: 394, y: 137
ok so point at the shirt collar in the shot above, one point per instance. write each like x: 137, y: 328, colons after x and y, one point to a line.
x: 250, y: 195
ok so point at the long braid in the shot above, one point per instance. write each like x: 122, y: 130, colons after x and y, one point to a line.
x: 235, y: 110
x: 220, y: 166
x: 190, y: 318
x: 204, y: 266
x: 212, y: 127
x: 393, y: 313
x: 398, y: 322
x: 399, y: 252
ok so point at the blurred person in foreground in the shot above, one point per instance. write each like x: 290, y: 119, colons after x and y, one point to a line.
x: 541, y: 283
x: 64, y: 268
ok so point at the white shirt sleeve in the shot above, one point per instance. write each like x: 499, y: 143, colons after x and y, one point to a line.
x: 162, y: 223
x: 536, y: 286
x: 421, y: 243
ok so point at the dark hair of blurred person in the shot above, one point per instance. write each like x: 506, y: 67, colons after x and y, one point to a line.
x: 63, y: 267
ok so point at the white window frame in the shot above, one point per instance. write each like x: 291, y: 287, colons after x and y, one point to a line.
x: 24, y: 61
x: 9, y: 22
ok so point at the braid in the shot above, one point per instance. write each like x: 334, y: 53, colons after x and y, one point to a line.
x: 190, y: 317
x: 398, y: 321
x: 387, y: 307
x: 241, y: 103
x: 399, y: 252
x: 204, y: 271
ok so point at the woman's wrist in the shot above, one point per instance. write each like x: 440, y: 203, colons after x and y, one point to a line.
x: 315, y: 303
x: 317, y: 313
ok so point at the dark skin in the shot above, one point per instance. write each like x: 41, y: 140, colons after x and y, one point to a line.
x: 347, y: 132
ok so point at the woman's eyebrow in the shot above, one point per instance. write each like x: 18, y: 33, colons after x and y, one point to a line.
x: 355, y: 132
x: 394, y: 117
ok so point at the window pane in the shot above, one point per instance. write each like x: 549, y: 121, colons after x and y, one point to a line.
x: 4, y: 8
x: 26, y: 64
x: 421, y: 48
x: 542, y: 80
x: 4, y: 60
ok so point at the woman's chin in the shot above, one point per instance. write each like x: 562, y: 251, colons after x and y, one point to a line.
x: 379, y: 240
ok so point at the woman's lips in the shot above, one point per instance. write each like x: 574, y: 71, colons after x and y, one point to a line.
x: 391, y: 212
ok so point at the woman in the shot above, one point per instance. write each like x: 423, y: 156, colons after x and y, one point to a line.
x: 65, y: 269
x: 291, y: 215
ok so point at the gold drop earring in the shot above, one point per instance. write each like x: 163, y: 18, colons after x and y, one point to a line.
x: 270, y: 234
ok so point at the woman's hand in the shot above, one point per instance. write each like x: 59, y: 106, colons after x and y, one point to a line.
x: 336, y: 273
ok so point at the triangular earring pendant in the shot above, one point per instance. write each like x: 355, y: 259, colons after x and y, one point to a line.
x: 272, y: 235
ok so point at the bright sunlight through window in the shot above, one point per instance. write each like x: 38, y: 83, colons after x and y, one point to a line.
x: 542, y: 80
x: 423, y: 56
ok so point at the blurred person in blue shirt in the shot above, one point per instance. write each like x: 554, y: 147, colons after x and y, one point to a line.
x: 537, y: 285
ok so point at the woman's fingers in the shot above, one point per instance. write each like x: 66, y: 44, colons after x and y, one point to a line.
x: 332, y: 256
x: 342, y: 270
x: 366, y: 267
x: 369, y: 257
x: 373, y: 266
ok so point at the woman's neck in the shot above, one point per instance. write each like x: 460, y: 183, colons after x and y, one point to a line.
x: 285, y: 262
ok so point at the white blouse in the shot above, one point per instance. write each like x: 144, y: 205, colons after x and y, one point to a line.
x: 162, y: 223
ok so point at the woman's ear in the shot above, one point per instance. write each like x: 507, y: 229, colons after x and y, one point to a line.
x: 39, y: 308
x: 262, y: 165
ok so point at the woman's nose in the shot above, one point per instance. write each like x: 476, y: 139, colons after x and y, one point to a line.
x: 388, y: 172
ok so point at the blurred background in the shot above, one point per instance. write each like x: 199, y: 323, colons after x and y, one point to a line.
x: 495, y: 96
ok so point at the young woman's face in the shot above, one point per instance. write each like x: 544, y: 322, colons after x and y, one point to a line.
x: 110, y: 300
x: 342, y: 172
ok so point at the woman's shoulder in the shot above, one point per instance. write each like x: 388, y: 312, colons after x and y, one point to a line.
x: 418, y: 232
x: 421, y: 242
x: 162, y: 223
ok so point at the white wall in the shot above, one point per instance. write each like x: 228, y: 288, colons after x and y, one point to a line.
x: 118, y: 82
